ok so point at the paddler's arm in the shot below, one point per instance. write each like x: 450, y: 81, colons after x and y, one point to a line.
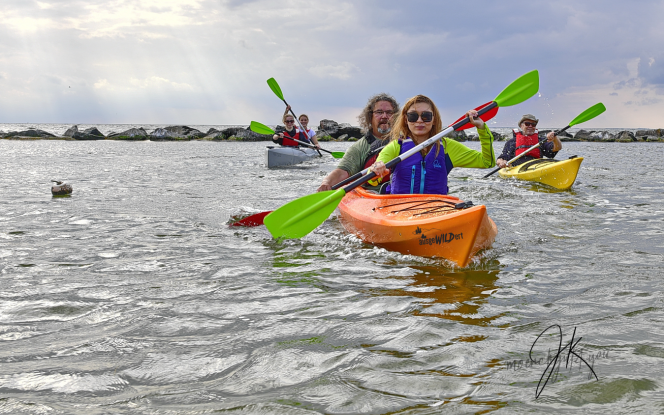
x: 351, y: 163
x: 463, y: 156
x: 389, y: 152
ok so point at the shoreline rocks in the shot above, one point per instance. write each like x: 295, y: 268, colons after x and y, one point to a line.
x: 328, y: 130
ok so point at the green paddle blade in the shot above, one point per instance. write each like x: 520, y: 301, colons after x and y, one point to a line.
x: 589, y: 114
x: 274, y: 86
x: 260, y: 128
x: 337, y: 154
x: 301, y: 216
x: 520, y: 90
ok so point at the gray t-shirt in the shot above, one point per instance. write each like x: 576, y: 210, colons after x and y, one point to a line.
x: 356, y: 155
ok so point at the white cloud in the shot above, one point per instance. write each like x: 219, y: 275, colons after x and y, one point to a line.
x: 329, y: 57
x: 342, y: 71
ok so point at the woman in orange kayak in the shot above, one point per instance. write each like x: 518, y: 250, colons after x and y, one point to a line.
x: 426, y: 172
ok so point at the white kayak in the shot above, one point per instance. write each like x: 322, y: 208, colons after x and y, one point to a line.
x: 287, y: 156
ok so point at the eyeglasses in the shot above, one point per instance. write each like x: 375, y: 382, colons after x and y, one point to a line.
x: 413, y: 116
x: 289, y: 121
x: 380, y: 113
x: 530, y: 124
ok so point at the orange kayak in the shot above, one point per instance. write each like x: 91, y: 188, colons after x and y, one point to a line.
x: 422, y: 225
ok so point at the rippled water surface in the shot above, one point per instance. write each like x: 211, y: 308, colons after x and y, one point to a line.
x: 134, y: 295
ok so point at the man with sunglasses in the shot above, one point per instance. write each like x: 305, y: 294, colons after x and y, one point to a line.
x: 376, y: 120
x: 525, y: 137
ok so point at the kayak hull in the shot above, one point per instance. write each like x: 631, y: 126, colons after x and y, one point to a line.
x: 560, y: 174
x: 288, y: 156
x: 422, y: 225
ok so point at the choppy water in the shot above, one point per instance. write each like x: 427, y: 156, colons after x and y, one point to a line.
x: 134, y: 296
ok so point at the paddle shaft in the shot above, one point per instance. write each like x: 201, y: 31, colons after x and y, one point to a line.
x: 356, y: 175
x: 419, y: 147
x: 527, y: 151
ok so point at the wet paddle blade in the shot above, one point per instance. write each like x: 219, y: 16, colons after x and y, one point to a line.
x: 588, y: 114
x: 301, y: 216
x: 260, y: 128
x: 520, y: 90
x: 253, y: 220
x: 337, y: 154
x: 274, y: 86
x: 485, y: 117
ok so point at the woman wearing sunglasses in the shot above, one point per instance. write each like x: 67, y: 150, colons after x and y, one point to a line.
x: 426, y: 172
x: 525, y: 137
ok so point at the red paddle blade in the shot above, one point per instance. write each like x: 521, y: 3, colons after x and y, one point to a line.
x: 253, y: 220
x: 485, y: 117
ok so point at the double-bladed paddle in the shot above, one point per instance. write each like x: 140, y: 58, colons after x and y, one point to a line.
x: 274, y: 86
x: 586, y: 115
x: 301, y: 216
x: 264, y: 129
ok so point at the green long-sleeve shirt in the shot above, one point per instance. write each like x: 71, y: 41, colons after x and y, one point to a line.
x: 459, y: 154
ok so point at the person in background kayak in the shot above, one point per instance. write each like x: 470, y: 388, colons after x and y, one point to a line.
x: 286, y: 138
x: 525, y: 137
x: 426, y: 172
x: 376, y: 120
x: 304, y: 120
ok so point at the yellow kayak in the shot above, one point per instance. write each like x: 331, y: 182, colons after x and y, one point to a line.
x: 560, y: 174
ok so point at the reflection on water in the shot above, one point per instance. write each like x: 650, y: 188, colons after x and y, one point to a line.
x: 454, y: 295
x: 133, y: 295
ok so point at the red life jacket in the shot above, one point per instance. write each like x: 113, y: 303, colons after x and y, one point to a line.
x: 524, y: 142
x: 290, y: 143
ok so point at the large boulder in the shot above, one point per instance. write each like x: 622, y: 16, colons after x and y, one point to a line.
x: 244, y: 134
x: 175, y: 132
x: 583, y: 135
x: 70, y: 132
x: 132, y: 134
x: 602, y: 136
x: 328, y: 127
x: 91, y: 133
x: 648, y: 133
x: 625, y: 137
x: 31, y: 132
x: 460, y: 136
x: 348, y: 130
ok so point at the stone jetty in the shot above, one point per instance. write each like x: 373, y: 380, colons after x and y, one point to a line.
x: 328, y: 130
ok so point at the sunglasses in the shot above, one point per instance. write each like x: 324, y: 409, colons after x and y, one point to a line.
x: 530, y: 124
x: 413, y: 116
x: 289, y: 121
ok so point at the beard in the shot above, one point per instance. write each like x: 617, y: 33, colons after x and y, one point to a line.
x: 384, y: 130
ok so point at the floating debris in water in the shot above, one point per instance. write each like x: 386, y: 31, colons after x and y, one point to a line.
x: 60, y: 188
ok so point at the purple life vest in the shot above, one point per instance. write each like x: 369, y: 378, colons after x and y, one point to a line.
x: 418, y: 175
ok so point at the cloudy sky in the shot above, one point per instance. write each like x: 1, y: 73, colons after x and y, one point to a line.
x: 204, y: 62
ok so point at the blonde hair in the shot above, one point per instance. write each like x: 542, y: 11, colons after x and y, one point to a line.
x: 286, y: 114
x: 400, y: 128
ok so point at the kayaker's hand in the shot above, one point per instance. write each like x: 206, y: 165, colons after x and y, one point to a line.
x: 324, y: 186
x: 380, y: 169
x: 474, y: 119
x: 501, y: 163
x: 553, y: 138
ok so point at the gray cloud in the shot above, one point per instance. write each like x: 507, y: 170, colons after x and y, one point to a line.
x: 148, y: 59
